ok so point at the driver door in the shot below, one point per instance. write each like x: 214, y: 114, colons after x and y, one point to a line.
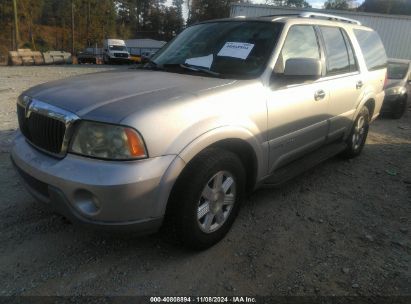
x: 297, y: 108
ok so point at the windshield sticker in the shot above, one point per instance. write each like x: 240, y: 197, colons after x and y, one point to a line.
x: 205, y: 61
x: 236, y: 49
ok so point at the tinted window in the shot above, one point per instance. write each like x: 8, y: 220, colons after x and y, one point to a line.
x: 372, y: 49
x: 238, y: 49
x: 397, y: 70
x: 301, y: 42
x: 338, y: 61
x: 351, y: 54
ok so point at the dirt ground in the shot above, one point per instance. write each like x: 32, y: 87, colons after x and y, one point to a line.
x: 341, y: 229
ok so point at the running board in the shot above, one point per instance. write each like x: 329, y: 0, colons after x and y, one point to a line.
x: 303, y: 164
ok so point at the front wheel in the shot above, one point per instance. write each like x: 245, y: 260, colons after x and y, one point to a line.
x: 358, y: 136
x: 206, y: 198
x: 400, y: 108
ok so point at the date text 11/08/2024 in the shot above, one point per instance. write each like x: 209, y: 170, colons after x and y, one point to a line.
x: 202, y: 300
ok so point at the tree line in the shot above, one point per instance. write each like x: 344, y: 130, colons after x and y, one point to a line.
x: 47, y: 24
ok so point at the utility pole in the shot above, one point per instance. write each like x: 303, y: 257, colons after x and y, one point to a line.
x: 72, y: 28
x: 16, y: 26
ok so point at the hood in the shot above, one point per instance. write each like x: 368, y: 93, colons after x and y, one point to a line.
x: 112, y: 96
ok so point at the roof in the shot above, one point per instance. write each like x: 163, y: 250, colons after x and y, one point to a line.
x: 302, y: 18
x: 145, y: 43
x: 292, y: 10
x: 393, y: 60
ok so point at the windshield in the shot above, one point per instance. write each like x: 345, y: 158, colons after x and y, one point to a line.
x: 397, y: 70
x: 238, y: 49
x: 118, y: 48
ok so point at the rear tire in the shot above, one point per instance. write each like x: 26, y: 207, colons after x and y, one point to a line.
x: 358, y: 136
x: 206, y: 198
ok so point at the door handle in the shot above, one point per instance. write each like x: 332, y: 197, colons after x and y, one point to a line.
x: 359, y: 85
x: 319, y: 95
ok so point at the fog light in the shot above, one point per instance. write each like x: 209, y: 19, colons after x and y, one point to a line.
x: 86, y: 203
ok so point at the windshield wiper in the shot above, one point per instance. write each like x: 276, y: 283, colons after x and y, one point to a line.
x: 163, y: 67
x: 199, y: 69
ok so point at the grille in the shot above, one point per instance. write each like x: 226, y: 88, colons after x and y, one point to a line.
x: 120, y: 55
x: 42, y: 131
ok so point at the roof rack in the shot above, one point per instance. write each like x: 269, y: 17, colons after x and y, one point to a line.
x: 279, y: 15
x: 328, y: 17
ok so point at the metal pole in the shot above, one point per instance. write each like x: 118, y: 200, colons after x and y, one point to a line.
x: 72, y: 27
x: 16, y: 26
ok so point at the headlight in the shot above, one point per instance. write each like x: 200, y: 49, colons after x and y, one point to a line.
x: 107, y: 141
x: 393, y: 91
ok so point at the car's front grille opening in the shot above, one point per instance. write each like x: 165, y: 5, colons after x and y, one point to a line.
x: 120, y: 55
x: 44, y: 132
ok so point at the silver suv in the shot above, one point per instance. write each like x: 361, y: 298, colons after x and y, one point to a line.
x: 226, y: 106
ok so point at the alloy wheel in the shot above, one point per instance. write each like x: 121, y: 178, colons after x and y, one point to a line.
x: 216, y: 202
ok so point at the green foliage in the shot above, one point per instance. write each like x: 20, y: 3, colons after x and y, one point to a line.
x: 290, y: 3
x: 46, y: 24
x: 338, y: 4
x: 401, y: 7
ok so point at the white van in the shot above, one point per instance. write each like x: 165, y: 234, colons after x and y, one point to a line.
x: 115, y: 50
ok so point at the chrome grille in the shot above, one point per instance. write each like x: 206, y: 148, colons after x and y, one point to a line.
x: 121, y: 55
x: 45, y: 126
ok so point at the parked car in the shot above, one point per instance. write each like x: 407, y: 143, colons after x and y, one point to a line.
x: 90, y: 55
x: 398, y: 89
x: 115, y: 51
x: 225, y: 107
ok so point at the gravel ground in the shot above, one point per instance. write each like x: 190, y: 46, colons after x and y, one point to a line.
x: 343, y: 228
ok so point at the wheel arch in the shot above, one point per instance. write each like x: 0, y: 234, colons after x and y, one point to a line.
x: 370, y: 104
x: 237, y: 140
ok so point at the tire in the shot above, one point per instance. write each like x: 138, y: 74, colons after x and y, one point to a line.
x: 201, y: 210
x: 358, y: 135
x: 400, y: 108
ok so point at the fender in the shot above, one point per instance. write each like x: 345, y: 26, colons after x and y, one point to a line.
x: 370, y: 95
x: 199, y: 144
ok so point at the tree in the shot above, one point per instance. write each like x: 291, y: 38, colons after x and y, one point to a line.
x: 339, y: 4
x: 290, y: 3
x: 200, y: 10
x: 402, y: 7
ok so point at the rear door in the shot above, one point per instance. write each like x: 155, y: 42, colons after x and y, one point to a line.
x: 343, y: 79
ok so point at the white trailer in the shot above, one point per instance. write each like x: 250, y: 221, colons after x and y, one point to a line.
x: 395, y: 30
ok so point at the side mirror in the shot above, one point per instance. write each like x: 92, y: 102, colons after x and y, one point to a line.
x: 303, y: 68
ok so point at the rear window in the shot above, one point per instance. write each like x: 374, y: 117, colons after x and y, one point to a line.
x: 397, y: 70
x: 372, y: 49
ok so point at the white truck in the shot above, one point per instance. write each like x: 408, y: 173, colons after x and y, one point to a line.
x: 115, y: 51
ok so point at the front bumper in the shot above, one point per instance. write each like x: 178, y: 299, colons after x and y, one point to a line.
x: 391, y: 103
x: 100, y: 193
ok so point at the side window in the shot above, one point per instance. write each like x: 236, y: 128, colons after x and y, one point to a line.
x: 301, y: 42
x: 338, y: 61
x: 351, y: 54
x: 372, y: 49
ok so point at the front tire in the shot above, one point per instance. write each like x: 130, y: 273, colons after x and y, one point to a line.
x: 400, y: 108
x: 358, y: 136
x: 206, y: 198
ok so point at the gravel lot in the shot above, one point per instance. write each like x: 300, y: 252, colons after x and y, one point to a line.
x: 342, y: 229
